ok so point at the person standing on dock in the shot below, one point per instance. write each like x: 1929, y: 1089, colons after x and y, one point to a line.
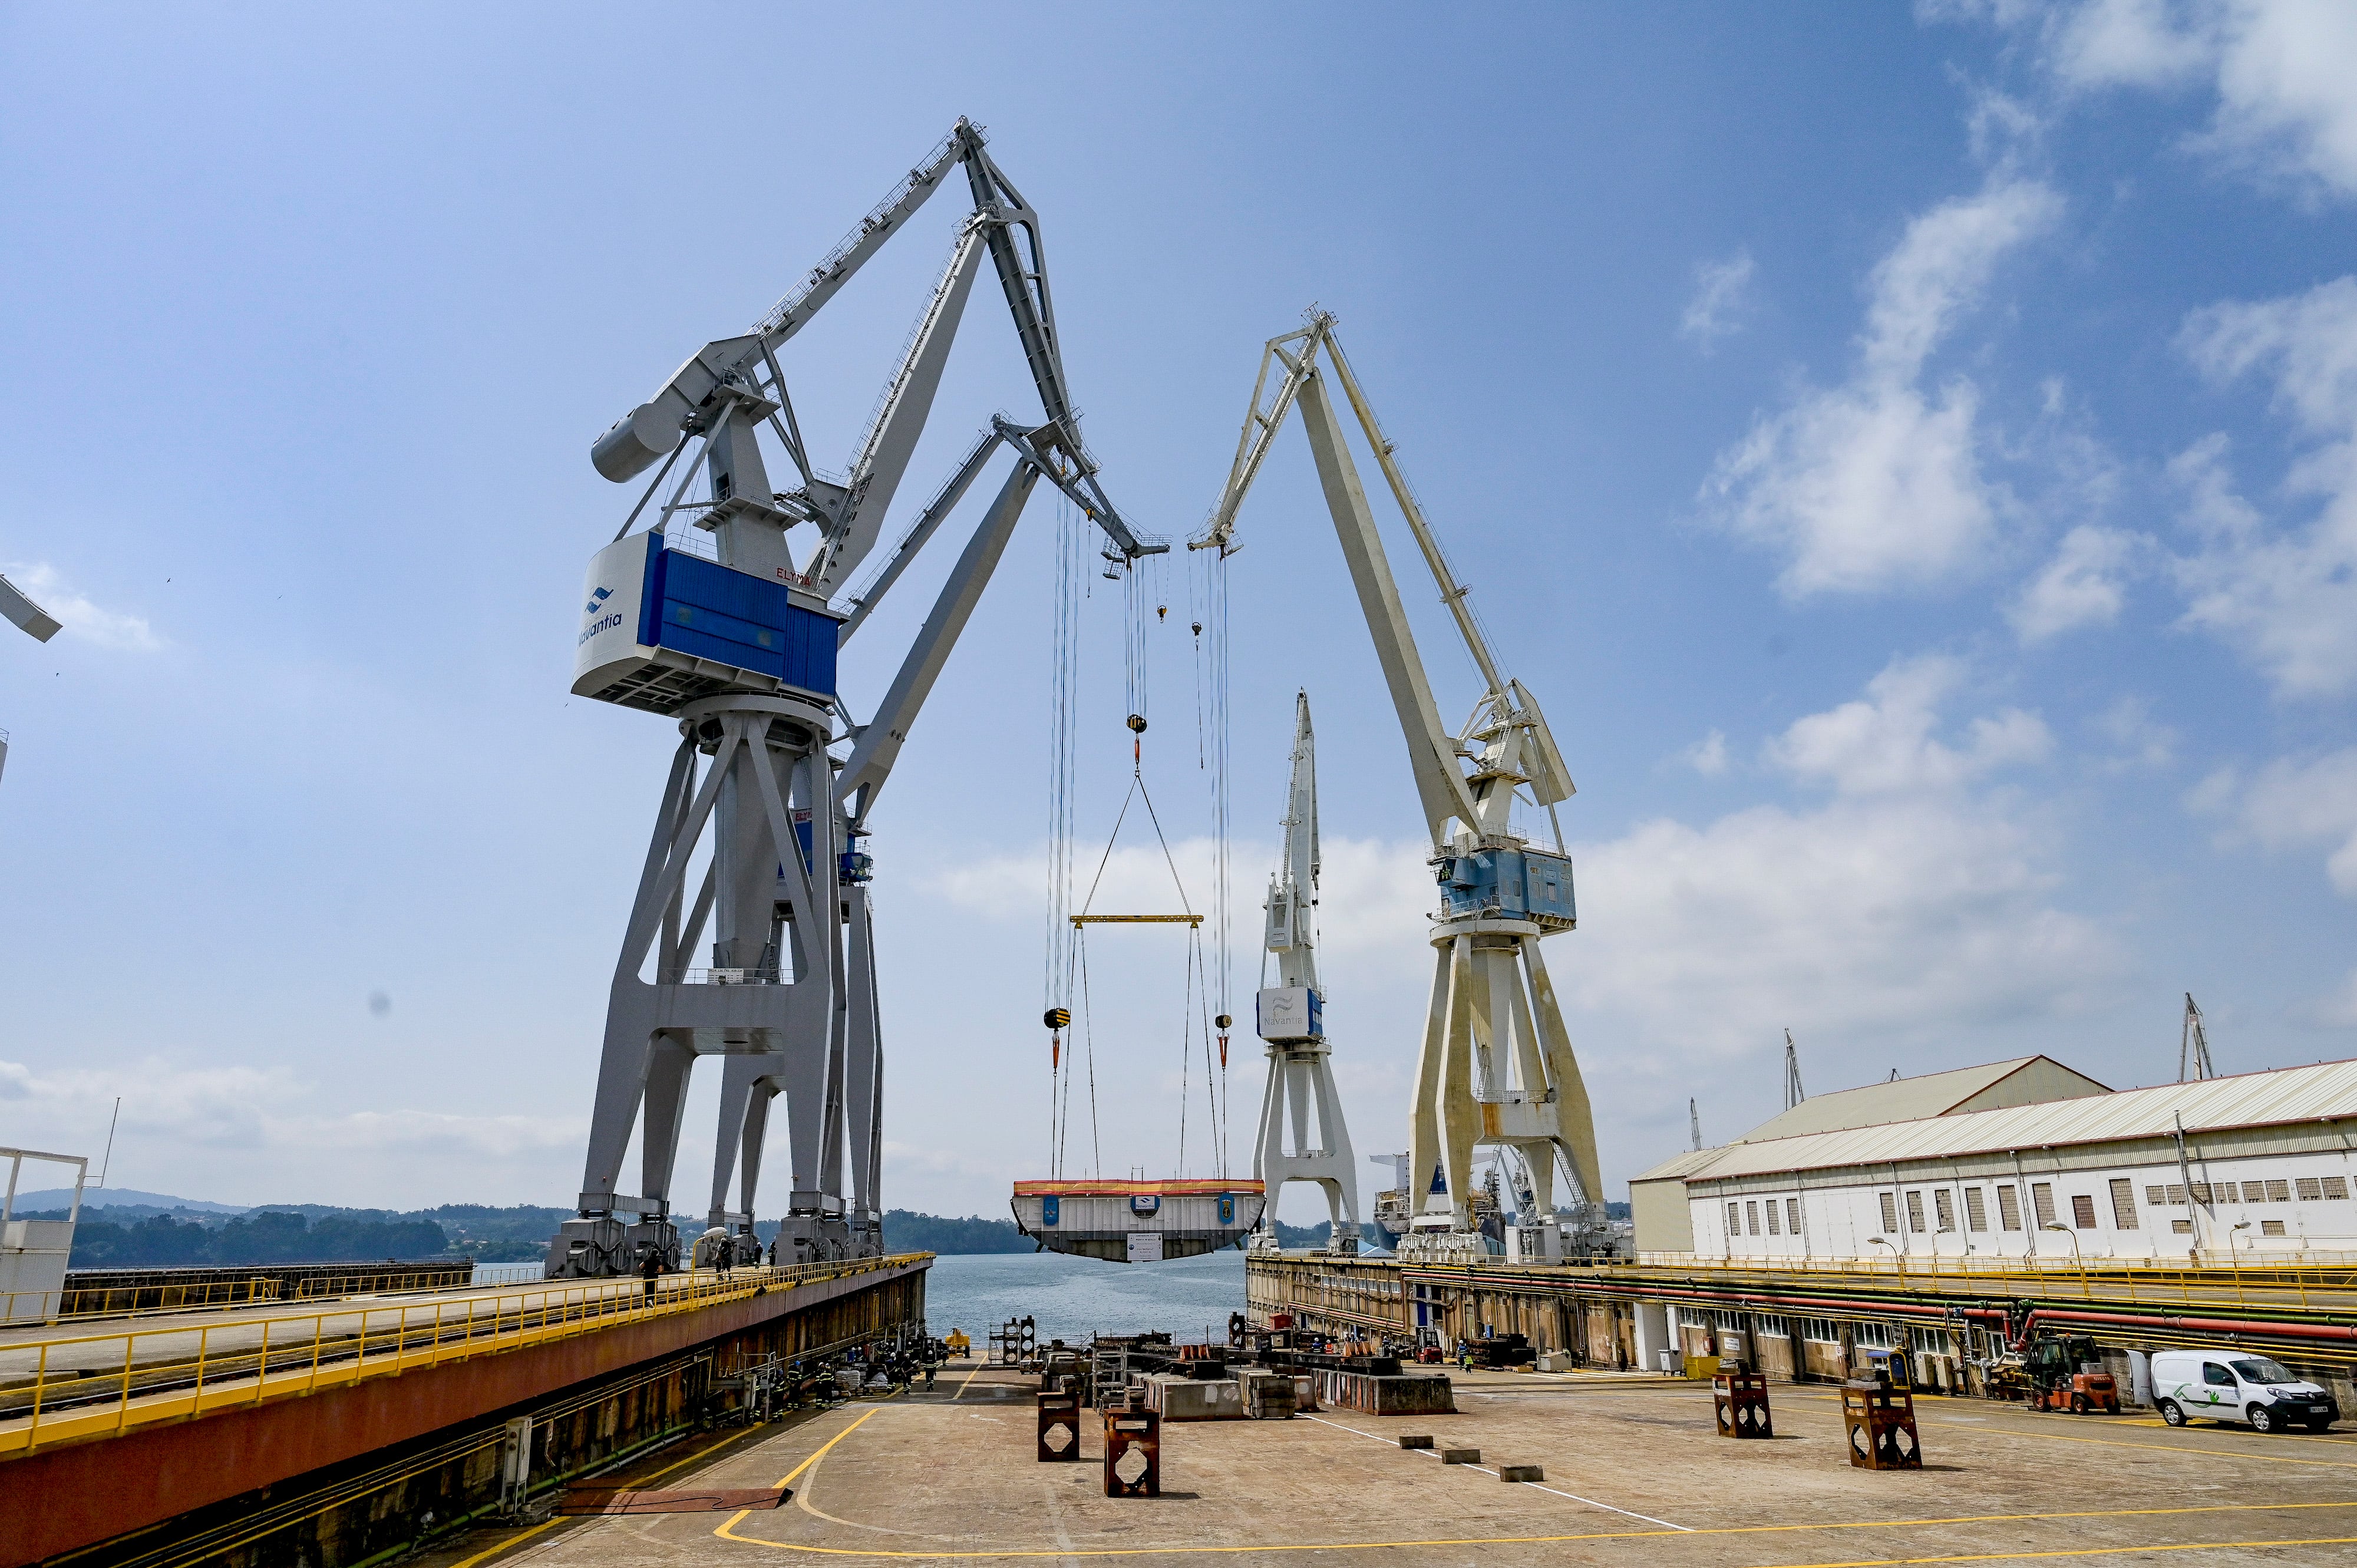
x: 652, y: 1269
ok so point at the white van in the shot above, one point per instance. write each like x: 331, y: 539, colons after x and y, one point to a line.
x: 2235, y: 1385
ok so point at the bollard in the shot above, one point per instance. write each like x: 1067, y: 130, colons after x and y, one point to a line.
x: 1881, y: 1423
x: 1059, y: 1427
x: 1524, y: 1473
x: 1740, y: 1399
x: 1415, y: 1442
x: 1133, y: 1443
x: 1460, y: 1455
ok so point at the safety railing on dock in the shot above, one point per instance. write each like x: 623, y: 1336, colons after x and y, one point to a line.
x: 67, y: 1386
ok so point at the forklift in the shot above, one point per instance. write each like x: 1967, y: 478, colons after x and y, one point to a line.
x: 2066, y: 1373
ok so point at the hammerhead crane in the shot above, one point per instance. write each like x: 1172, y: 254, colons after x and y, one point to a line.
x: 1292, y: 1020
x: 1496, y: 1064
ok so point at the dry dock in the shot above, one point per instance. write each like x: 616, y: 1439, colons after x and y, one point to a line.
x: 1634, y: 1474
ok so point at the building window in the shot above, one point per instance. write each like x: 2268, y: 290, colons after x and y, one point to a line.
x: 1771, y: 1325
x: 2008, y: 1209
x: 2271, y: 1226
x: 2181, y: 1226
x: 2041, y: 1202
x: 2310, y: 1189
x: 1821, y: 1330
x: 2278, y: 1192
x: 2173, y: 1195
x: 1890, y: 1214
x: 1932, y: 1341
x: 2124, y: 1214
x: 1873, y: 1337
x: 2083, y: 1211
x: 1915, y: 1213
x: 1975, y: 1211
x: 2156, y: 1196
x: 1771, y: 1219
x: 1726, y: 1322
x: 1734, y: 1220
x: 1945, y: 1208
x: 1792, y: 1215
x: 1752, y: 1219
x: 2337, y: 1187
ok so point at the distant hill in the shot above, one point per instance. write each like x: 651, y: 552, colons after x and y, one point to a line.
x: 120, y: 1197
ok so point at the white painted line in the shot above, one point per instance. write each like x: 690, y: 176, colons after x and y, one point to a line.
x: 1574, y: 1497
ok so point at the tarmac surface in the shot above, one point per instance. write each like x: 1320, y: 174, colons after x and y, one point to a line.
x: 1634, y: 1474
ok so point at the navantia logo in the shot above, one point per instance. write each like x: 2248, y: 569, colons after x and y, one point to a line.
x: 603, y: 623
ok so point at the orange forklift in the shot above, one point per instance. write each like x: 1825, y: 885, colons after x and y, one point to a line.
x: 2065, y: 1372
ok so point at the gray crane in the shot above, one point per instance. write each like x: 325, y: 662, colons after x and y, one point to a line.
x: 738, y: 645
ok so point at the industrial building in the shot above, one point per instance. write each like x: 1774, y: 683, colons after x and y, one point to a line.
x: 2024, y: 1159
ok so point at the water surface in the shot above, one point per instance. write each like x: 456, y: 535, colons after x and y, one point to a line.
x: 1074, y: 1298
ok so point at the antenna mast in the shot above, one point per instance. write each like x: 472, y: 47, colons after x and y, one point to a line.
x: 1693, y: 1125
x: 2193, y: 1046
x: 1793, y: 1092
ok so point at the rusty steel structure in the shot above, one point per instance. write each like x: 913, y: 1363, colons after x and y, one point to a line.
x: 1739, y: 1401
x: 1133, y: 1443
x: 1881, y: 1421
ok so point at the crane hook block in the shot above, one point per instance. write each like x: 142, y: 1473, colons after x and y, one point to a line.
x: 1058, y: 1018
x: 1137, y: 723
x: 1224, y: 1021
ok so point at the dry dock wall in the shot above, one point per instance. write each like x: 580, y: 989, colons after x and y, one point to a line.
x: 384, y: 1456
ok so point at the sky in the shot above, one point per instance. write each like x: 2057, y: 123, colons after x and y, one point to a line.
x: 1912, y: 453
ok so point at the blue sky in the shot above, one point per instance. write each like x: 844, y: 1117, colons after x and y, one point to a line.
x: 1912, y: 453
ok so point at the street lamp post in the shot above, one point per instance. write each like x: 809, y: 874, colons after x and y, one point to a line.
x: 2076, y: 1256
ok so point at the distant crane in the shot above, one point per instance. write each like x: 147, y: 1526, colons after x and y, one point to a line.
x: 1793, y: 1092
x: 1496, y: 1067
x: 2193, y: 1046
x: 1693, y: 1125
x: 1291, y: 1019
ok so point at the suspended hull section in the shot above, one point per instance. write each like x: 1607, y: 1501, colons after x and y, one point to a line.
x: 1138, y: 1222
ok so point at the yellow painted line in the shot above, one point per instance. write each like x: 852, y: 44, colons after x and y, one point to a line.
x: 521, y: 1535
x: 2080, y: 1552
x: 969, y: 1378
x: 727, y: 1532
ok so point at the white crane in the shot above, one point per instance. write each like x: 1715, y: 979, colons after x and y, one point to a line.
x: 1292, y: 1020
x: 1496, y: 1066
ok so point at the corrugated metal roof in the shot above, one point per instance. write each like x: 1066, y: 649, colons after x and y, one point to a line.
x: 2327, y: 1089
x: 1900, y: 1099
x: 1691, y: 1161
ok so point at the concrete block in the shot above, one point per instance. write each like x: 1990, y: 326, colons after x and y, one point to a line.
x: 1411, y: 1393
x: 1406, y: 1442
x: 1522, y: 1472
x: 1176, y: 1398
x: 1460, y: 1455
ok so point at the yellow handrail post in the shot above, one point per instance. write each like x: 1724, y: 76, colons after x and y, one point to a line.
x: 122, y: 1410
x: 262, y: 1362
x: 319, y: 1332
x: 41, y: 1387
x: 204, y: 1338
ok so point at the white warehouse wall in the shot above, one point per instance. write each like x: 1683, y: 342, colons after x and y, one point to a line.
x: 2260, y: 1204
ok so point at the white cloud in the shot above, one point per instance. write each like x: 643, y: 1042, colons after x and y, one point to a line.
x: 2081, y: 586
x: 1884, y: 743
x: 1721, y: 291
x: 226, y: 1130
x: 1877, y: 484
x: 79, y: 616
x: 2285, y: 598
x: 2128, y: 724
x: 2278, y: 71
x: 2304, y: 804
x: 1912, y: 901
x: 1708, y: 756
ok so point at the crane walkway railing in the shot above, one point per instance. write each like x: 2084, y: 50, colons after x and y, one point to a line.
x: 74, y: 1387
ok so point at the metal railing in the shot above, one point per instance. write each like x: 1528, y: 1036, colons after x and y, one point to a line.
x: 102, y: 1385
x: 76, y: 1302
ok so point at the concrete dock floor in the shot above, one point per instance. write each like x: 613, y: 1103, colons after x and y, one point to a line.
x: 1635, y: 1474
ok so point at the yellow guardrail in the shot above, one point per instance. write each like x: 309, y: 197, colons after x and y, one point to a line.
x: 82, y: 1387
x: 76, y: 1302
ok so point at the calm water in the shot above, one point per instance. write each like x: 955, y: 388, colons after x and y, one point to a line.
x: 1074, y: 1298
